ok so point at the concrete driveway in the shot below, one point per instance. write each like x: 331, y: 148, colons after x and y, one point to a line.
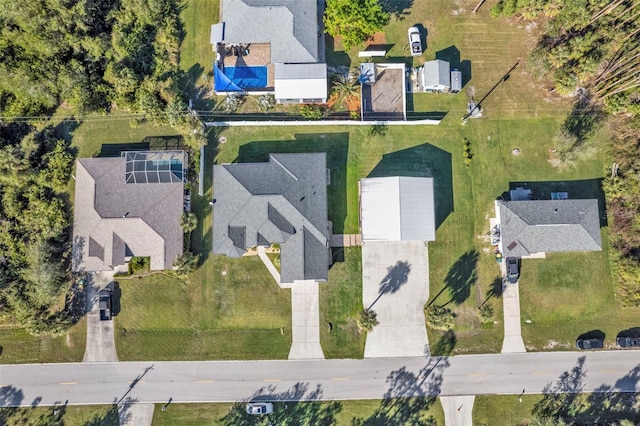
x: 305, y: 321
x: 100, y: 334
x: 395, y: 284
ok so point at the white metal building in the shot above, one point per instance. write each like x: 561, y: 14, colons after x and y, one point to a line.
x: 397, y: 208
x: 300, y: 83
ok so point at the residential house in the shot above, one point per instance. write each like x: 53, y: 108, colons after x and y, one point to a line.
x: 530, y: 228
x: 270, y: 47
x: 129, y: 206
x: 282, y: 201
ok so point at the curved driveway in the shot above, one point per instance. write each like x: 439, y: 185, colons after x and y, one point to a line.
x: 225, y: 381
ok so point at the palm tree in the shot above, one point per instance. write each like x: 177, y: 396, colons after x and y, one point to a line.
x: 367, y: 320
x: 344, y: 88
x: 189, y: 222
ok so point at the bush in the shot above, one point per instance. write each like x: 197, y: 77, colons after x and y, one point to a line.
x: 232, y: 102
x: 312, y: 112
x: 440, y: 318
x: 486, y: 314
x: 266, y: 102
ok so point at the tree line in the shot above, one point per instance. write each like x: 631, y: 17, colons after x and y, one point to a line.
x: 34, y: 224
x: 92, y: 55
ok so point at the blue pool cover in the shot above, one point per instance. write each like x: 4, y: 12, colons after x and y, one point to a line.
x: 238, y: 78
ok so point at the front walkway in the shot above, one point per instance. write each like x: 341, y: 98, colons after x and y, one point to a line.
x: 458, y: 410
x: 305, y: 321
x: 395, y: 284
x: 305, y: 314
x: 346, y: 240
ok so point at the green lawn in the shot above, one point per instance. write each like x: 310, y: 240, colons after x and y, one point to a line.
x: 504, y: 410
x: 229, y: 309
x: 18, y: 346
x: 340, y: 303
x: 87, y: 415
x: 340, y: 413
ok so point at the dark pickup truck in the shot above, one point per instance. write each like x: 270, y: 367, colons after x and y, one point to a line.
x: 105, y: 304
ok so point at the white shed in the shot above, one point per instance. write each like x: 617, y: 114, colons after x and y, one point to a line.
x: 300, y: 83
x: 397, y: 208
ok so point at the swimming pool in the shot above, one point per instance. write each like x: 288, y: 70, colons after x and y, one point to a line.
x: 247, y: 77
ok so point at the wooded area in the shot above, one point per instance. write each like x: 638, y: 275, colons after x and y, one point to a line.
x: 87, y: 56
x: 591, y: 49
x: 34, y: 225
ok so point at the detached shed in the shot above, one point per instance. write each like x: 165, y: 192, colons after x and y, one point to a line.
x: 436, y: 76
x: 300, y: 83
x: 397, y: 208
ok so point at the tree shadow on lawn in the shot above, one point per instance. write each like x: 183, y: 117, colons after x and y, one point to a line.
x: 409, y: 396
x: 495, y: 290
x: 295, y: 406
x: 608, y: 404
x: 10, y: 413
x: 397, y: 276
x: 583, y: 189
x: 399, y: 9
x: 422, y: 161
x: 335, y: 145
x: 461, y: 277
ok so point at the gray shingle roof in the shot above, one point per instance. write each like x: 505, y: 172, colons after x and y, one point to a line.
x: 114, y: 215
x: 437, y: 73
x: 291, y: 26
x: 282, y: 201
x: 549, y: 226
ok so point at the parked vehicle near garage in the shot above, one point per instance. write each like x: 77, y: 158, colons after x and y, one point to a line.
x: 513, y: 270
x: 105, y: 302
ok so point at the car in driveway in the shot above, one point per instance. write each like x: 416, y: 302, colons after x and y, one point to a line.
x: 105, y: 303
x: 259, y: 408
x: 589, y: 343
x: 628, y: 341
x: 414, y: 41
x: 513, y: 270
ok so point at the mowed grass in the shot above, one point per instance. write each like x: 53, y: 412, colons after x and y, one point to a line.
x: 340, y: 413
x: 103, y: 415
x: 340, y: 303
x: 18, y: 346
x: 197, y: 17
x: 504, y: 410
x: 229, y: 309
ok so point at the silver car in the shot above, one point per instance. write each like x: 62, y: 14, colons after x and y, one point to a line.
x: 259, y: 408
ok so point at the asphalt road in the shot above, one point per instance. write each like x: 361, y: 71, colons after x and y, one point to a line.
x: 225, y: 381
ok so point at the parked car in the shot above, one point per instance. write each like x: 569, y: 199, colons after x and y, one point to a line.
x: 591, y: 343
x: 105, y: 303
x: 513, y: 270
x: 628, y: 341
x: 259, y: 408
x: 415, y: 42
